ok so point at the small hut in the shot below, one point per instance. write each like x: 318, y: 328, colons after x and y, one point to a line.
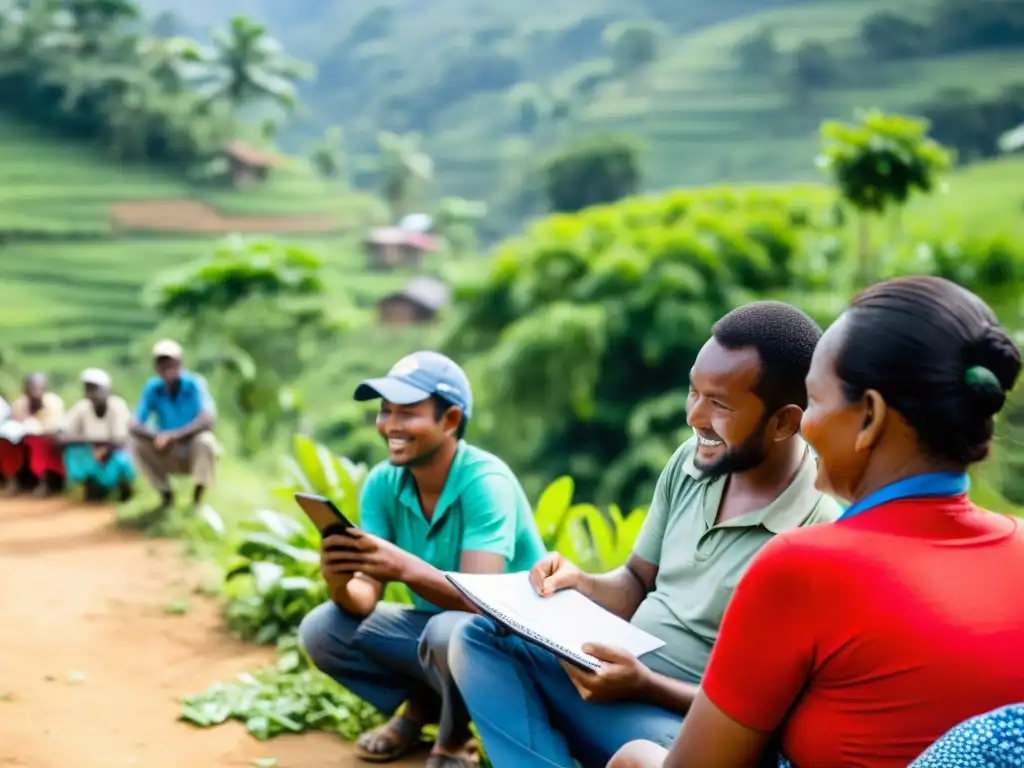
x: 248, y: 166
x: 393, y: 248
x: 419, y: 302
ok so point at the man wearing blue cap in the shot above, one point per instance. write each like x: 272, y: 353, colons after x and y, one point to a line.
x: 437, y: 504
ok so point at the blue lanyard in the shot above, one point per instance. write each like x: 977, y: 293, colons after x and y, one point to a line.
x: 918, y: 486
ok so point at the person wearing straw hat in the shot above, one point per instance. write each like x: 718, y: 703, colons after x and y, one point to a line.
x: 182, y: 442
x: 95, y: 439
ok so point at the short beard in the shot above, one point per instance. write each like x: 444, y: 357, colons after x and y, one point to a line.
x: 747, y: 455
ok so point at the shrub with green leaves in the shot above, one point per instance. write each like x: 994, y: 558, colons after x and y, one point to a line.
x: 289, y: 696
x: 273, y: 577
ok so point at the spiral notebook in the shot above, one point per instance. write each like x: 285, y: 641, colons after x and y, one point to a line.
x: 561, y: 623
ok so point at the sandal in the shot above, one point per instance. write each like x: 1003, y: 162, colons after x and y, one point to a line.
x: 392, y: 740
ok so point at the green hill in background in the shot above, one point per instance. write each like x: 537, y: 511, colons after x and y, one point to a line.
x: 736, y: 90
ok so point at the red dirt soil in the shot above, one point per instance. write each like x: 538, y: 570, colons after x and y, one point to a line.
x: 194, y: 217
x: 83, y: 598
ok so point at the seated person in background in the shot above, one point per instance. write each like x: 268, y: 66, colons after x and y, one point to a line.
x: 438, y: 504
x: 29, y: 451
x: 183, y: 442
x: 744, y: 477
x: 5, y: 413
x: 95, y: 439
x: 992, y: 740
x: 862, y: 642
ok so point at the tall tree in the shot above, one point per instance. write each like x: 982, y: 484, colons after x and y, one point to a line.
x: 245, y: 64
x: 877, y: 163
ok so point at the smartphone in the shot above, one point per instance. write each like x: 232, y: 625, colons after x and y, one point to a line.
x: 325, y: 515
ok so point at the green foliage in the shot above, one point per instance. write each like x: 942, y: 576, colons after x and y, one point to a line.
x: 289, y: 696
x: 974, y: 124
x: 881, y: 160
x: 952, y: 26
x: 403, y: 169
x: 594, y: 170
x: 85, y: 69
x: 273, y: 579
x: 273, y: 576
x: 813, y: 66
x: 253, y: 313
x: 244, y: 64
x: 585, y: 328
x: 757, y: 53
x: 238, y: 270
x: 632, y: 45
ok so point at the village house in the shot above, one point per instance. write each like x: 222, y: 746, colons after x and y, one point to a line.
x: 393, y: 248
x: 248, y: 166
x: 417, y: 303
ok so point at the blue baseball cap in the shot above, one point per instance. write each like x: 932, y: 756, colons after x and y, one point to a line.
x: 418, y: 376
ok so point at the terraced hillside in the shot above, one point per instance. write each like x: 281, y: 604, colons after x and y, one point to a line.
x: 72, y: 271
x: 704, y: 121
x: 449, y: 70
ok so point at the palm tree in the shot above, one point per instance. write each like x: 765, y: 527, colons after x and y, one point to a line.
x: 244, y: 64
x: 403, y: 167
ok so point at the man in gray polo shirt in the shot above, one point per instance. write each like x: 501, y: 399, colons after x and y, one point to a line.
x: 744, y: 476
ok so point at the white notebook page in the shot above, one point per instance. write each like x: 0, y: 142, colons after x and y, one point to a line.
x: 567, y: 617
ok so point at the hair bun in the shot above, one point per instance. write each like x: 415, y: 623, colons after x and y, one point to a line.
x: 994, y: 363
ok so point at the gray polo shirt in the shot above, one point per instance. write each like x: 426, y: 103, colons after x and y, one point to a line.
x: 699, y: 562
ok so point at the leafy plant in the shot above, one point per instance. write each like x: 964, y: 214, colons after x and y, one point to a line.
x: 595, y: 540
x: 289, y: 696
x: 273, y: 577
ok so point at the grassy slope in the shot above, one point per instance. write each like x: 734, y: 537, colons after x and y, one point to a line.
x: 70, y: 286
x: 703, y: 121
x: 51, y: 186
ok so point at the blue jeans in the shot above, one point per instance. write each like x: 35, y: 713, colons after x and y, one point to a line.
x: 529, y: 714
x: 393, y: 654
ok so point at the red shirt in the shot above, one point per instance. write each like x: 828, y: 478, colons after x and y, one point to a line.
x: 864, y: 640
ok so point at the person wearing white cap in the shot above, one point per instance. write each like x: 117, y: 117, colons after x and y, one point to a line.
x: 95, y: 440
x: 182, y: 443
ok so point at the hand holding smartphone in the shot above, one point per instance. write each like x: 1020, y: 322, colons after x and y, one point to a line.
x: 327, y: 518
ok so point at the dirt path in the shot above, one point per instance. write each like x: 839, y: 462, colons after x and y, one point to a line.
x: 91, y: 665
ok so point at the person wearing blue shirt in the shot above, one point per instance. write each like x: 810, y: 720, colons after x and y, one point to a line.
x: 182, y: 440
x: 437, y: 504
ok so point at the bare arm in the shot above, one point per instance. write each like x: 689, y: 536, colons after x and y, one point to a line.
x: 711, y: 739
x: 621, y: 591
x: 430, y: 584
x: 669, y: 693
x: 354, y: 593
x: 201, y: 423
x: 138, y: 429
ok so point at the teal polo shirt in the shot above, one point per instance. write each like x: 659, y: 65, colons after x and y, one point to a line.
x: 482, y: 508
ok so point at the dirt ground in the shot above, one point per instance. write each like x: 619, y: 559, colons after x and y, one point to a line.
x: 195, y: 217
x: 91, y: 664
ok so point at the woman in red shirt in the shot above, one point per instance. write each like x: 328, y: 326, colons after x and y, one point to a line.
x: 861, y: 642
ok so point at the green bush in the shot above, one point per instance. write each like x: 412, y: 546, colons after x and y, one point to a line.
x: 581, y: 333
x: 289, y: 696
